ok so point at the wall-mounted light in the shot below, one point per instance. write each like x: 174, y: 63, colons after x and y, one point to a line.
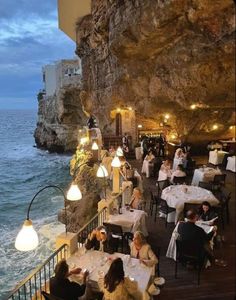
x: 193, y: 106
x: 130, y: 108
x: 167, y: 116
x: 140, y: 126
x: 215, y: 126
x: 118, y: 109
x: 231, y: 127
x: 95, y: 146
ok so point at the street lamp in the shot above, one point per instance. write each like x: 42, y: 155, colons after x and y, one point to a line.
x: 27, y: 238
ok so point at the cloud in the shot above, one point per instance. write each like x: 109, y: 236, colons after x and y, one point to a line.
x: 29, y: 39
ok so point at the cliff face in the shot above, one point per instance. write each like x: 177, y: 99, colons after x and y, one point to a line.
x: 159, y: 57
x: 59, y: 119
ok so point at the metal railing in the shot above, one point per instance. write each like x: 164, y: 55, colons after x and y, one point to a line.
x: 37, y: 281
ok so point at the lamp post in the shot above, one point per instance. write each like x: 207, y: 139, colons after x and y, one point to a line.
x: 116, y: 164
x: 27, y: 238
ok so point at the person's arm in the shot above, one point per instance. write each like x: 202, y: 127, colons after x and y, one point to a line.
x: 131, y: 287
x: 152, y: 259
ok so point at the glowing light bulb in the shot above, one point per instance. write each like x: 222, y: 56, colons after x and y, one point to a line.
x: 119, y: 152
x: 193, y: 106
x: 116, y: 162
x: 167, y: 116
x: 27, y: 238
x: 95, y: 146
x: 102, y: 171
x: 140, y: 126
x: 214, y: 127
x: 74, y: 193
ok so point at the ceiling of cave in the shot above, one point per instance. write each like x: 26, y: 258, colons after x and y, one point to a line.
x: 161, y: 57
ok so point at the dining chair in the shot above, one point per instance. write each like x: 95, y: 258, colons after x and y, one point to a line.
x: 165, y: 209
x: 117, y: 233
x: 206, y: 185
x: 189, y: 252
x: 179, y: 180
x: 218, y: 181
x: 223, y: 207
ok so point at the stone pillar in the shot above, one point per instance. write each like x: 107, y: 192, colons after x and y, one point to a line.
x: 70, y: 239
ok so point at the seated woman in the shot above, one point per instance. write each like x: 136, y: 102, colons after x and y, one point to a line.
x: 206, y: 213
x: 136, y: 199
x: 165, y: 170
x: 62, y: 287
x: 149, y: 158
x: 100, y: 240
x: 179, y: 172
x: 116, y: 286
x: 139, y: 248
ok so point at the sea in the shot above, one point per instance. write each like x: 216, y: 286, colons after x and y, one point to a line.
x: 24, y: 170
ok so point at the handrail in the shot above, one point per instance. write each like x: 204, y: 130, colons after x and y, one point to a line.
x: 30, y: 287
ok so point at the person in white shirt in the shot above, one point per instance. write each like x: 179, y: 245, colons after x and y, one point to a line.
x: 165, y: 170
x: 179, y: 172
x: 147, y: 162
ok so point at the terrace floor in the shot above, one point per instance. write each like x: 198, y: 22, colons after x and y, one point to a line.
x: 216, y: 282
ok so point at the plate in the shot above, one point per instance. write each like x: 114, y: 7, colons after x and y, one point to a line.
x: 159, y: 281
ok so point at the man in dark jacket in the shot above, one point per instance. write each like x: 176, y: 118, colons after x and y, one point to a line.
x: 62, y: 287
x: 192, y: 233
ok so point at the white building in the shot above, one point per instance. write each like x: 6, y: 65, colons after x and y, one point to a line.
x: 62, y: 73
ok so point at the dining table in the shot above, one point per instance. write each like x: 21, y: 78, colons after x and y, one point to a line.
x: 98, y: 263
x: 216, y: 157
x: 205, y: 174
x: 231, y: 164
x: 177, y: 195
x: 130, y: 220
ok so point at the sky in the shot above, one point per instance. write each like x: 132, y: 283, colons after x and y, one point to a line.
x: 29, y: 39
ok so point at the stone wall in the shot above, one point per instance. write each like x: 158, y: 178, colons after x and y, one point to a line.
x: 162, y: 56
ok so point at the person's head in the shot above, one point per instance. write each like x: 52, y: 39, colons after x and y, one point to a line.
x: 139, y: 239
x: 205, y: 206
x: 150, y: 152
x: 191, y: 216
x: 137, y: 193
x: 180, y: 167
x: 114, y: 275
x: 101, y: 233
x: 61, y: 269
x: 167, y: 162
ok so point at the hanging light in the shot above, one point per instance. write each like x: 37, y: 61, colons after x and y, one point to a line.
x: 102, y: 171
x: 215, y: 126
x: 116, y: 162
x: 27, y: 239
x: 119, y: 151
x: 95, y: 146
x: 74, y: 193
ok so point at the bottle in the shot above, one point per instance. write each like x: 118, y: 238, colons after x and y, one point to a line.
x: 120, y: 209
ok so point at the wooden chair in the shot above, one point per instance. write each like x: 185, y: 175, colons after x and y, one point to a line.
x: 117, y: 233
x: 179, y: 180
x: 206, y: 185
x: 165, y: 209
x: 189, y: 252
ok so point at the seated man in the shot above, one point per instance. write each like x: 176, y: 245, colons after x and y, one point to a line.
x: 100, y: 240
x: 189, y: 231
x: 62, y: 287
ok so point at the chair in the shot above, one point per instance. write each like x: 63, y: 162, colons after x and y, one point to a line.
x: 223, y: 207
x: 49, y: 296
x: 190, y: 206
x: 179, y: 180
x: 154, y: 201
x: 191, y: 166
x: 218, y: 181
x: 189, y: 252
x: 206, y: 185
x: 165, y: 209
x: 161, y: 185
x: 117, y: 233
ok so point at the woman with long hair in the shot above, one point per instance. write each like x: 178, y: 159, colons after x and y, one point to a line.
x: 116, y: 286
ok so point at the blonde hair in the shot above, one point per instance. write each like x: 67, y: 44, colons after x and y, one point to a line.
x: 141, y: 236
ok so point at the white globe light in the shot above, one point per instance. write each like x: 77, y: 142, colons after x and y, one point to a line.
x: 27, y: 238
x: 116, y: 162
x: 102, y: 171
x: 95, y: 146
x: 74, y: 193
x: 119, y: 152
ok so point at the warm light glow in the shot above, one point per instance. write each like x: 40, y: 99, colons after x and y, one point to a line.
x: 74, y: 193
x: 161, y: 124
x: 140, y: 126
x: 214, y: 127
x: 27, y: 238
x: 95, y: 146
x: 193, y: 106
x: 83, y: 140
x: 130, y: 108
x: 119, y: 152
x: 102, y: 171
x: 165, y: 120
x: 173, y: 136
x: 118, y: 109
x: 231, y: 127
x: 167, y: 116
x: 116, y: 162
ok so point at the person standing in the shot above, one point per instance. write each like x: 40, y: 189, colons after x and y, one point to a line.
x: 162, y: 143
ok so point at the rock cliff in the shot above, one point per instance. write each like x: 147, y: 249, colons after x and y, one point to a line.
x: 161, y: 57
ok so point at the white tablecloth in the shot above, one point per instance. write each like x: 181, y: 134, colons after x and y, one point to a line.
x: 97, y: 261
x: 231, y: 164
x: 176, y: 197
x: 216, y: 157
x: 204, y: 174
x: 130, y: 221
x: 138, y: 153
x: 171, y: 251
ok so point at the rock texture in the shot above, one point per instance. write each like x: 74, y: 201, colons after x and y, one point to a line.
x: 161, y: 56
x: 60, y: 117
